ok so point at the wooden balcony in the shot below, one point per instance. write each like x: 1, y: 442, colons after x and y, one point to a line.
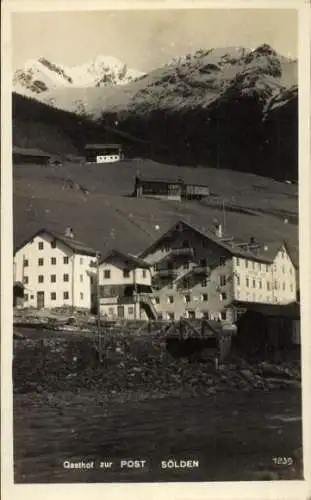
x: 201, y: 270
x: 182, y: 252
x: 167, y: 273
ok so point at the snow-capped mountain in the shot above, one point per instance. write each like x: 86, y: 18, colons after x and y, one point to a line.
x: 41, y: 75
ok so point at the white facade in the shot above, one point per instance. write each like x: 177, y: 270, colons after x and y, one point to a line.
x: 260, y: 282
x: 53, y: 274
x: 107, y: 158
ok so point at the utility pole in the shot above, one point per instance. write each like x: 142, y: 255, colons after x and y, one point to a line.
x: 224, y: 214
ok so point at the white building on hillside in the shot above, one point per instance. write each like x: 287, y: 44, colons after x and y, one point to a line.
x: 125, y: 287
x: 203, y: 273
x: 56, y: 270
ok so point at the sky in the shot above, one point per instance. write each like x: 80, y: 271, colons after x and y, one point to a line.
x: 145, y: 40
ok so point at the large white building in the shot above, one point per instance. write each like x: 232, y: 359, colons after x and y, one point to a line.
x: 56, y: 270
x: 203, y: 273
x: 125, y: 287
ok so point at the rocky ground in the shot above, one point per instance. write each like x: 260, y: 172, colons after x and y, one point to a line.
x: 143, y: 403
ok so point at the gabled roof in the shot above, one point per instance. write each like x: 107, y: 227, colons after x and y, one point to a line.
x: 30, y: 152
x: 76, y: 246
x: 264, y: 253
x: 101, y: 146
x: 127, y: 258
x: 157, y: 180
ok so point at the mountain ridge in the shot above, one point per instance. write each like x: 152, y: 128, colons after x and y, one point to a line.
x: 40, y: 75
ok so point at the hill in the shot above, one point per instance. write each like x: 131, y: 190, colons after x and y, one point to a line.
x: 95, y: 201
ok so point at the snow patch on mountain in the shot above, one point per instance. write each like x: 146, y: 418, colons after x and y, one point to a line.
x: 40, y: 75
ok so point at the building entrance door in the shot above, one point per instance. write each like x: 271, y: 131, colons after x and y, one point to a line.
x: 40, y: 300
x: 191, y: 314
x: 121, y: 312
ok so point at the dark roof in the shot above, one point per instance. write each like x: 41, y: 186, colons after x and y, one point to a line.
x: 75, y: 245
x: 159, y: 180
x: 101, y: 146
x: 30, y: 152
x: 291, y: 310
x: 131, y: 259
x: 265, y: 253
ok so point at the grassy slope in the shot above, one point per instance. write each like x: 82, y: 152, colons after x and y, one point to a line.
x: 107, y: 217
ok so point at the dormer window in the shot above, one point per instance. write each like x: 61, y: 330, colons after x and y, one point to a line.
x: 53, y: 244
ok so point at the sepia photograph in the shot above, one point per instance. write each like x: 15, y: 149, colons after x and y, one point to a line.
x: 156, y: 283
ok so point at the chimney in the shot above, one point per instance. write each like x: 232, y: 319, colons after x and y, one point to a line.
x: 219, y: 231
x: 252, y: 240
x: 69, y: 232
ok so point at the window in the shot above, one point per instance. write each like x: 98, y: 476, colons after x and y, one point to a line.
x: 26, y: 263
x: 126, y: 273
x: 260, y: 284
x: 283, y: 269
x: 53, y: 244
x: 205, y: 297
x: 131, y: 310
x: 170, y: 299
x: 157, y: 300
x: 92, y: 280
x: 81, y: 278
x: 222, y: 261
x: 237, y: 261
x: 268, y: 285
x: 204, y: 283
x: 259, y: 266
x: 53, y: 261
x: 223, y: 296
x: 246, y: 263
x: 222, y: 280
x: 187, y: 298
x: 185, y: 244
x: 186, y: 265
x: 81, y: 295
x: 247, y: 282
x: 187, y: 284
x: 254, y: 283
x: 32, y: 296
x: 66, y: 277
x: 53, y: 296
x: 53, y: 278
x: 40, y: 245
x: 81, y: 260
x: 40, y: 278
x: 66, y: 260
x: 291, y: 287
x: 66, y: 295
x: 267, y: 267
x: 276, y: 285
x: 107, y: 274
x: 283, y: 286
x: 223, y: 315
x: 203, y: 262
x: 171, y: 316
x: 238, y: 281
x: 40, y: 262
x: 144, y: 273
x: 253, y: 265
